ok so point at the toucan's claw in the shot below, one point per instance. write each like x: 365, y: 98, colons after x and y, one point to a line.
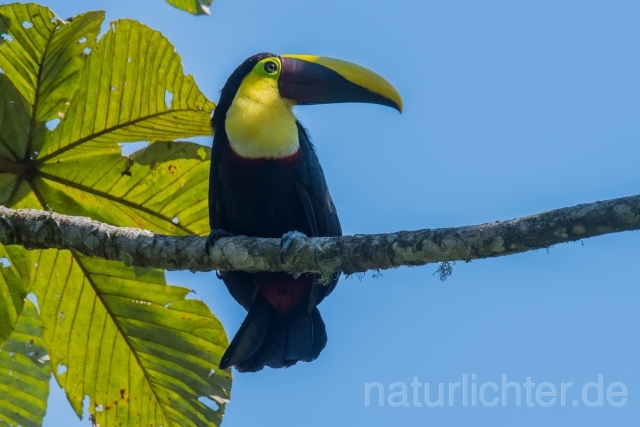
x: 286, y: 242
x: 215, y: 234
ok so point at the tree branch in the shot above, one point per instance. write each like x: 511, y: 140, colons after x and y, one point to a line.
x: 351, y: 254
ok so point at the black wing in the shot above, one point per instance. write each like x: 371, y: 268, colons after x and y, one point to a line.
x: 318, y: 205
x: 314, y: 193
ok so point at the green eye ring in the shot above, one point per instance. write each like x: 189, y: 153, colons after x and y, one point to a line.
x: 270, y: 67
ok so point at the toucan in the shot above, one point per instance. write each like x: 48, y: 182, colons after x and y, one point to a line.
x: 266, y: 181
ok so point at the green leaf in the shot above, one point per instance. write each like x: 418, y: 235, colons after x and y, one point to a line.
x: 195, y: 7
x: 47, y: 74
x: 15, y: 278
x: 41, y: 55
x: 161, y: 188
x: 140, y: 351
x: 124, y: 94
x: 14, y: 128
x: 135, y: 346
x: 24, y: 373
x: 127, y: 87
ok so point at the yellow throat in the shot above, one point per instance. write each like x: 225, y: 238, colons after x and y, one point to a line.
x: 259, y: 123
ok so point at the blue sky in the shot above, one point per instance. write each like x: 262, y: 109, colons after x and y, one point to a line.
x: 511, y: 108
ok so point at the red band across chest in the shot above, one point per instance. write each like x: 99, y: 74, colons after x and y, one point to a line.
x: 292, y: 158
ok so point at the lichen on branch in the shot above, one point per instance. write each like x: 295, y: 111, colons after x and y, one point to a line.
x: 351, y: 254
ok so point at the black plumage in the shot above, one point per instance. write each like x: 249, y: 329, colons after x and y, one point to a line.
x: 269, y: 197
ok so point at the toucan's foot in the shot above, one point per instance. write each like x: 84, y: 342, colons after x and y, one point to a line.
x: 215, y: 234
x: 287, y: 241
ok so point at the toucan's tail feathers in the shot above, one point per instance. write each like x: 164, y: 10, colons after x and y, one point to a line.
x: 269, y: 338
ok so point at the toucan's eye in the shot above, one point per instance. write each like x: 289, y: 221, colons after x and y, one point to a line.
x: 270, y: 67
